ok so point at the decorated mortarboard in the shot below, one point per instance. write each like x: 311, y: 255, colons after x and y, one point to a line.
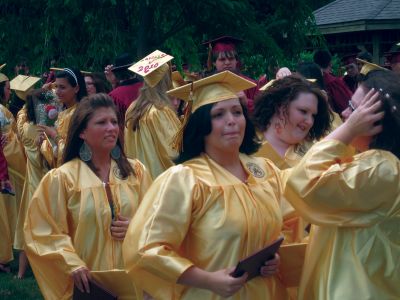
x: 22, y: 84
x: 153, y: 67
x: 177, y: 79
x: 212, y: 89
x: 368, y: 67
x: 2, y: 76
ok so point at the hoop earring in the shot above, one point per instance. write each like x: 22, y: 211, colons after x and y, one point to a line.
x: 85, y: 153
x: 116, y: 152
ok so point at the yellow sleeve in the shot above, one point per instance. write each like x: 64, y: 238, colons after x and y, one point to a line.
x: 330, y: 186
x: 48, y: 238
x: 151, y: 246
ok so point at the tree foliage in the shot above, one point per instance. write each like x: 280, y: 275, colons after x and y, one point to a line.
x: 90, y: 34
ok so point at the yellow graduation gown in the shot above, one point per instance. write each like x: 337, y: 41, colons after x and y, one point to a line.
x: 151, y: 142
x: 35, y: 170
x: 68, y: 223
x: 354, y: 252
x: 198, y: 213
x: 13, y: 151
x: 52, y: 155
x: 293, y: 224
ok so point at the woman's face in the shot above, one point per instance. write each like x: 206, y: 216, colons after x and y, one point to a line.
x: 299, y: 118
x: 65, y: 92
x: 175, y: 103
x: 228, y: 126
x: 101, y: 133
x: 7, y: 92
x: 90, y: 87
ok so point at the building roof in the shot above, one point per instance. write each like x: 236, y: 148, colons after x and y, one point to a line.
x: 358, y: 15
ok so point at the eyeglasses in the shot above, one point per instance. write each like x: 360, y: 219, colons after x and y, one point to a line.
x: 351, y: 105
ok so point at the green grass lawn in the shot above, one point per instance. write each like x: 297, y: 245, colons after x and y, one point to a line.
x: 12, y: 288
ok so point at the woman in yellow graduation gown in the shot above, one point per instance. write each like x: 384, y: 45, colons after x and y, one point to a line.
x: 218, y: 206
x: 290, y: 115
x: 70, y: 89
x: 16, y: 161
x: 79, y: 214
x: 354, y: 251
x: 151, y: 123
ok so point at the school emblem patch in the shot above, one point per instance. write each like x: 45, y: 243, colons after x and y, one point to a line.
x: 255, y: 170
x: 117, y: 172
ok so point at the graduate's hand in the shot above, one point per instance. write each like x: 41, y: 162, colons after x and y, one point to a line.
x: 81, y: 278
x: 282, y: 72
x: 110, y: 76
x: 362, y: 121
x: 223, y: 284
x: 49, y: 131
x: 119, y: 227
x: 271, y: 266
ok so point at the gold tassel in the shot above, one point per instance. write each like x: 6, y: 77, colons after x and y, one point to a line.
x: 177, y: 141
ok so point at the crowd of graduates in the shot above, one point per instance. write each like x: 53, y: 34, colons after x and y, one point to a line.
x: 152, y: 183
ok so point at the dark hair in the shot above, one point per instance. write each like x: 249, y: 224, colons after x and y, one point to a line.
x: 311, y: 70
x: 99, y: 82
x: 284, y: 91
x: 83, y: 113
x: 228, y: 54
x: 30, y: 103
x: 80, y: 81
x: 199, y: 126
x: 2, y: 95
x: 322, y: 58
x: 388, y: 83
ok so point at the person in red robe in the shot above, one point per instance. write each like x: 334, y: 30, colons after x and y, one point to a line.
x: 125, y: 85
x: 339, y: 94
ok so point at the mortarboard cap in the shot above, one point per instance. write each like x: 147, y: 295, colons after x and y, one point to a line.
x: 122, y: 62
x: 212, y: 89
x: 153, y: 67
x: 368, y: 67
x: 3, y: 77
x: 22, y: 84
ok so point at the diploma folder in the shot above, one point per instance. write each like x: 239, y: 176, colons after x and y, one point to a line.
x: 253, y: 263
x: 96, y: 293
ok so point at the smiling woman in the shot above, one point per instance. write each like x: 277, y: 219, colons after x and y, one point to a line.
x: 80, y: 212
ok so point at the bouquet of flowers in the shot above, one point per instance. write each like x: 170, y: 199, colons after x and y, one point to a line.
x: 46, y: 109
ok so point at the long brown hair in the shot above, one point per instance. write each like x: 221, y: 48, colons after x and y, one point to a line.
x: 150, y: 96
x: 83, y: 113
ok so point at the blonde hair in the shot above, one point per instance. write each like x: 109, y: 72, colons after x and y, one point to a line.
x: 148, y: 97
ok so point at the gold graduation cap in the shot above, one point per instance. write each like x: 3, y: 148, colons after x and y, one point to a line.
x: 153, y: 67
x: 22, y: 84
x: 62, y: 69
x: 368, y: 67
x: 212, y: 89
x: 177, y: 79
x: 2, y: 76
